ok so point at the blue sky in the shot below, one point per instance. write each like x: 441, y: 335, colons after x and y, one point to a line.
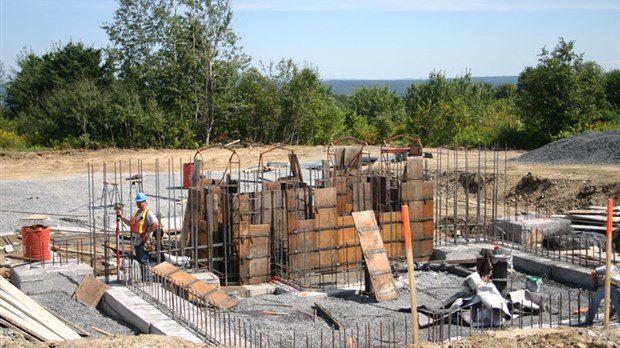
x: 359, y: 39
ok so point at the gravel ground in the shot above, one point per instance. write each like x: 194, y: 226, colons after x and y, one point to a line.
x: 586, y: 148
x: 83, y: 316
x: 66, y: 200
x: 390, y: 320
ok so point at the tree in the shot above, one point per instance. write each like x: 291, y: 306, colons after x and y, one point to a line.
x: 178, y: 59
x: 56, y: 97
x: 381, y: 109
x: 260, y: 112
x: 62, y: 66
x: 562, y: 95
x: 309, y: 112
x: 612, y: 88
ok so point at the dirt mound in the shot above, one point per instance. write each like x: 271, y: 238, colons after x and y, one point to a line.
x: 585, y: 148
x: 563, y: 337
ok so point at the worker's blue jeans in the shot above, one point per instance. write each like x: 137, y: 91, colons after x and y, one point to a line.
x: 143, y: 258
x: 614, y: 296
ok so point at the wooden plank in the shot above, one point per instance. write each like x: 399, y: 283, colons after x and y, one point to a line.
x: 214, y: 296
x: 592, y: 228
x: 326, y: 227
x: 20, y: 331
x: 90, y: 291
x: 18, y: 318
x: 35, y: 217
x: 592, y: 212
x: 195, y: 286
x: 376, y: 258
x: 42, y: 315
x: 593, y: 218
x: 415, y: 168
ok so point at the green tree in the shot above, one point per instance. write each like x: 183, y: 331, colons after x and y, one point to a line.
x: 458, y: 111
x: 49, y: 97
x: 612, y: 88
x: 182, y: 60
x: 310, y: 113
x: 381, y: 109
x: 562, y: 95
x: 260, y: 112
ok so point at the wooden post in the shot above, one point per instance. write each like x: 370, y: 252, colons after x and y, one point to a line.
x: 610, y: 208
x: 414, y: 306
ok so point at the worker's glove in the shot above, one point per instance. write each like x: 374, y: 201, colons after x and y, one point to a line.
x: 148, y: 245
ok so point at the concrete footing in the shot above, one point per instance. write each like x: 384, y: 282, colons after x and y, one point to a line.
x: 142, y: 315
x: 39, y: 278
x: 523, y: 262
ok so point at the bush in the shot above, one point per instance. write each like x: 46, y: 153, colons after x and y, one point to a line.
x: 9, y: 140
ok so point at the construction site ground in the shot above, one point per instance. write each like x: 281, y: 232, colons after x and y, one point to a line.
x: 557, y: 188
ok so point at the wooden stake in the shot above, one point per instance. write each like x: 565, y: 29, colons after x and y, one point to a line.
x: 414, y: 306
x: 610, y: 208
x: 102, y: 331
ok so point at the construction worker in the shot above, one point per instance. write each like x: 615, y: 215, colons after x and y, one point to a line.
x: 598, y: 278
x: 142, y: 225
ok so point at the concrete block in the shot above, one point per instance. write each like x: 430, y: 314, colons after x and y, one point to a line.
x: 208, y: 278
x: 142, y: 315
x: 552, y: 269
x: 527, y: 230
x: 249, y: 291
x: 38, y: 278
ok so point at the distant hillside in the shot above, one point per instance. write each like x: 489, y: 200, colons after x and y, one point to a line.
x: 400, y: 86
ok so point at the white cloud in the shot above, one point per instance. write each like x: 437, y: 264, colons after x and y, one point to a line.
x: 424, y: 5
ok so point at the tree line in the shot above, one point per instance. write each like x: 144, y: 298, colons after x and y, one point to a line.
x: 175, y: 77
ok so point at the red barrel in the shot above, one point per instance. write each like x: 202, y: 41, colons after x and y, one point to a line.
x: 36, y: 242
x: 188, y: 169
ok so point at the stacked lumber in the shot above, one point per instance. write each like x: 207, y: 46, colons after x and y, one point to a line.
x: 593, y: 219
x: 20, y: 312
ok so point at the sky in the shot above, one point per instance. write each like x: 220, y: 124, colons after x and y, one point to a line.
x: 358, y: 39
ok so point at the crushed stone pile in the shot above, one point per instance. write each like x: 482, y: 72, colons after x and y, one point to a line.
x: 585, y: 148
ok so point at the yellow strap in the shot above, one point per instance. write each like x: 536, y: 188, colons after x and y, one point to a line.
x: 141, y: 226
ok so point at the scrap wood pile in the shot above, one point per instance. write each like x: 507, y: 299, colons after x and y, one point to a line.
x: 587, y: 238
x: 25, y: 316
x: 593, y: 219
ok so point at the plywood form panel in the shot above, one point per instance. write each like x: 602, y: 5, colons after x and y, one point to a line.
x: 254, y: 271
x: 278, y: 218
x: 303, y: 244
x: 340, y: 183
x: 392, y: 233
x: 256, y: 243
x: 292, y: 207
x: 415, y: 168
x: 349, y: 251
x: 325, y: 207
x: 194, y: 286
x: 326, y: 227
x: 361, y: 197
x: 375, y: 256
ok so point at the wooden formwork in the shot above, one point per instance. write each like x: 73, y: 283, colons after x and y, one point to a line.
x: 254, y: 247
x: 288, y: 230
